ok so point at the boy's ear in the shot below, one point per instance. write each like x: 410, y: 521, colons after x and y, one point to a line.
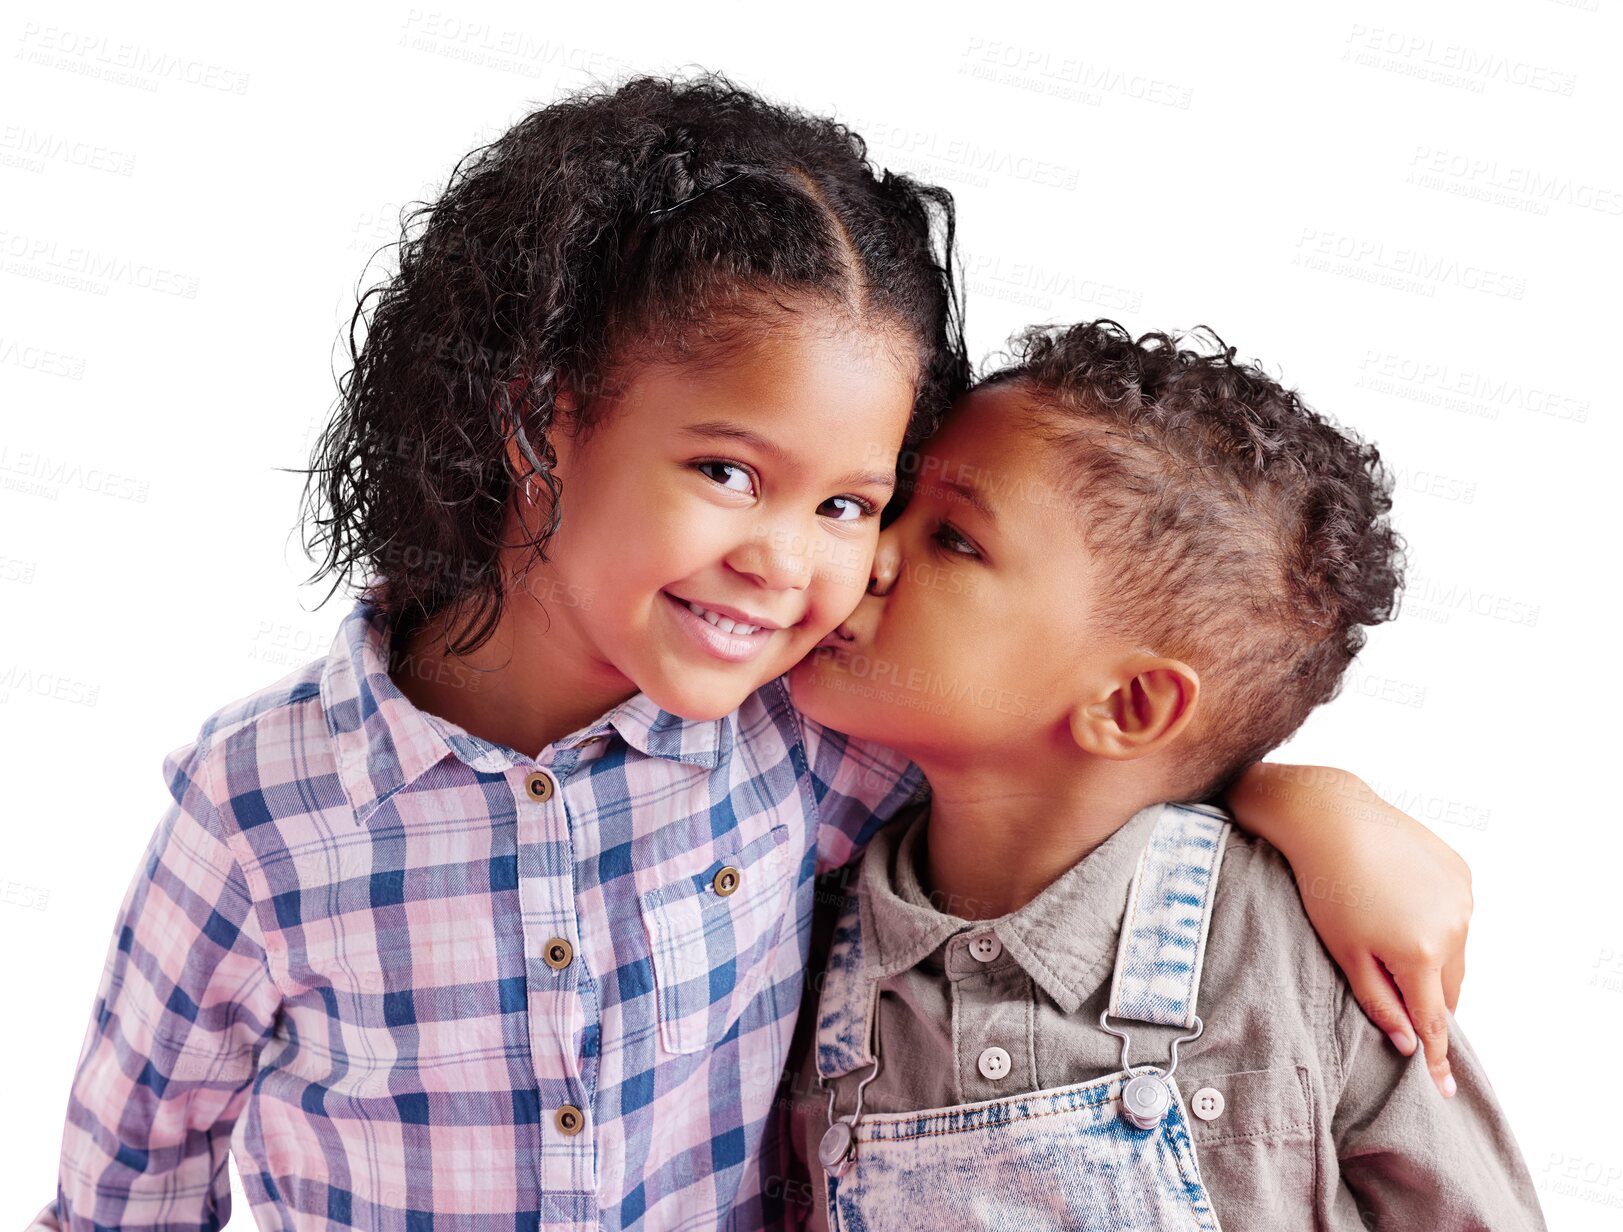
x: 1139, y: 710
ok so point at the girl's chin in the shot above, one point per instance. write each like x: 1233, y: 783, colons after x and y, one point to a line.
x: 698, y: 705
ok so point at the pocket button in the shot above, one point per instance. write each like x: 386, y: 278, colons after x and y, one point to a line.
x: 726, y: 881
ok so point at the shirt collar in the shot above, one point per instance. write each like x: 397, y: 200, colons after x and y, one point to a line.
x: 1065, y: 938
x: 384, y: 743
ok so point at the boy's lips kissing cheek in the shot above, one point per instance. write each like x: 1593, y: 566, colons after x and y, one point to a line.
x: 836, y: 639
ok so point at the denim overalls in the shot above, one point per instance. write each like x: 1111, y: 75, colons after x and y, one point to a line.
x: 1112, y: 1155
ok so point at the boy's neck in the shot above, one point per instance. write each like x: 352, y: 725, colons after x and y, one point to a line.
x: 998, y: 838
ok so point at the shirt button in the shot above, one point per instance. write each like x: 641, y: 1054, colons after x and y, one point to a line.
x: 569, y: 1119
x: 726, y: 881
x: 985, y: 947
x: 539, y: 785
x: 994, y: 1062
x: 1207, y: 1103
x: 558, y: 953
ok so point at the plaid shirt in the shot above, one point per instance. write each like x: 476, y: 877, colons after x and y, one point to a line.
x: 380, y: 960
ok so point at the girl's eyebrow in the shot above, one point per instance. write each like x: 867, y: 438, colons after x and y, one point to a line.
x: 719, y: 429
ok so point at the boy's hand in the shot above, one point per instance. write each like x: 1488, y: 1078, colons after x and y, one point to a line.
x: 1390, y: 900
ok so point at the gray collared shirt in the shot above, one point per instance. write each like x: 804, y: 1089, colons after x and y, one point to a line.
x: 1323, y: 1123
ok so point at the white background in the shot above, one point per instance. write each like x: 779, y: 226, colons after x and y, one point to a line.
x: 1411, y: 212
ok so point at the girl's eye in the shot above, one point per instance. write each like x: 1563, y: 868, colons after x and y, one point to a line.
x: 946, y: 536
x: 862, y: 508
x: 729, y: 466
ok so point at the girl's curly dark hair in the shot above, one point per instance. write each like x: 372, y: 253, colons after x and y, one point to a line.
x: 1243, y: 531
x: 662, y: 218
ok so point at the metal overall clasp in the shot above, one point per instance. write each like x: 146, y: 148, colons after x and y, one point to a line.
x: 1146, y: 1097
x: 837, y: 1150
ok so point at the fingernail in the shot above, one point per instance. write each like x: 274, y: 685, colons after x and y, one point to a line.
x: 1401, y: 1042
x: 1449, y: 1087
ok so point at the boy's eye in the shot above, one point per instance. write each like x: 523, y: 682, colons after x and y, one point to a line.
x: 862, y: 508
x: 728, y: 466
x: 950, y: 542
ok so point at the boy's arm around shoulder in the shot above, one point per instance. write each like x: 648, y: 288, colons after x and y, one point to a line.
x: 1392, y: 1153
x: 1406, y: 961
x: 1413, y: 1159
x: 184, y: 1004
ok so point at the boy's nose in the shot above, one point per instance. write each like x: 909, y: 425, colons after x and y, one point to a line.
x: 887, y: 563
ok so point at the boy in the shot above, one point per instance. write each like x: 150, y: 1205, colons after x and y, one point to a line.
x: 1130, y: 570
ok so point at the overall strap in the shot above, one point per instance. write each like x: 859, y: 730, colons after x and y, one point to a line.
x: 1169, y: 909
x: 848, y: 1000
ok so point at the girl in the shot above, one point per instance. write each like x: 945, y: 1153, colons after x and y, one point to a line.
x: 485, y: 919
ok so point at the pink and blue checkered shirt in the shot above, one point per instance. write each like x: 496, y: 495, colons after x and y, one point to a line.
x: 382, y: 961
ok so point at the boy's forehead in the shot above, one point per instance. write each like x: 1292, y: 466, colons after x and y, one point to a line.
x: 999, y: 407
x: 988, y: 448
x: 991, y: 455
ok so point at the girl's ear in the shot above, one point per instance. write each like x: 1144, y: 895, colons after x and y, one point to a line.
x: 565, y: 404
x: 1140, y: 710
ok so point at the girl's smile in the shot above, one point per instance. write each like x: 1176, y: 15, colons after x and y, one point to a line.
x: 734, y: 641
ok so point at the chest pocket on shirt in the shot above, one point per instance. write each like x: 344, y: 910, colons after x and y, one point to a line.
x: 712, y: 947
x: 1257, y: 1155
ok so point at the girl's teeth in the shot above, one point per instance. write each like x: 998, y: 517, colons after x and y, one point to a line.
x: 721, y: 622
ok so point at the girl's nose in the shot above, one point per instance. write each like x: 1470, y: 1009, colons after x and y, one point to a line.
x: 887, y: 563
x: 780, y: 559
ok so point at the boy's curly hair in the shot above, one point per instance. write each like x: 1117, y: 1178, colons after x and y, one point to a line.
x: 1245, y: 533
x: 659, y: 219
